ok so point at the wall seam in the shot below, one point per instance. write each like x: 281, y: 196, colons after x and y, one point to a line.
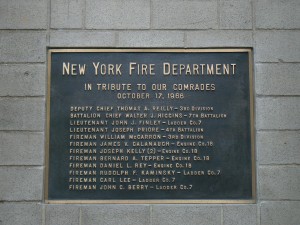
x: 84, y: 15
x: 151, y: 214
x: 43, y: 214
x: 222, y: 215
x: 80, y: 215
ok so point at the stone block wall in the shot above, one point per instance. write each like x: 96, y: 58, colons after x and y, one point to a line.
x: 270, y: 27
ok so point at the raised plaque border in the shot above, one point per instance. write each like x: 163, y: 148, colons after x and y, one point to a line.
x: 146, y: 201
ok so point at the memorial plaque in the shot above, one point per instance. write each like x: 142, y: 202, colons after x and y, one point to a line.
x: 150, y: 126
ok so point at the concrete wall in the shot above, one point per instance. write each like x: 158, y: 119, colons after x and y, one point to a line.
x: 271, y: 27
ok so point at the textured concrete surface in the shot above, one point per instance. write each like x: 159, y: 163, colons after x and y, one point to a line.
x: 22, y: 114
x: 18, y: 14
x: 278, y: 147
x: 174, y: 14
x: 277, y: 79
x: 20, y: 213
x: 82, y: 39
x: 278, y: 14
x: 21, y: 148
x: 280, y: 212
x: 210, y: 39
x: 22, y: 80
x: 22, y: 46
x: 277, y: 46
x: 62, y: 214
x: 151, y: 38
x: 277, y: 113
x: 115, y: 214
x: 279, y: 182
x: 239, y: 214
x: 21, y: 183
x: 67, y: 13
x: 235, y: 14
x: 186, y: 214
x: 115, y: 14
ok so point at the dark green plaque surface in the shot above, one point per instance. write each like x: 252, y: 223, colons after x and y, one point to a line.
x: 150, y: 125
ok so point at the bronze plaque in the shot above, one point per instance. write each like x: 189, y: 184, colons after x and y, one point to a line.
x: 150, y: 126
